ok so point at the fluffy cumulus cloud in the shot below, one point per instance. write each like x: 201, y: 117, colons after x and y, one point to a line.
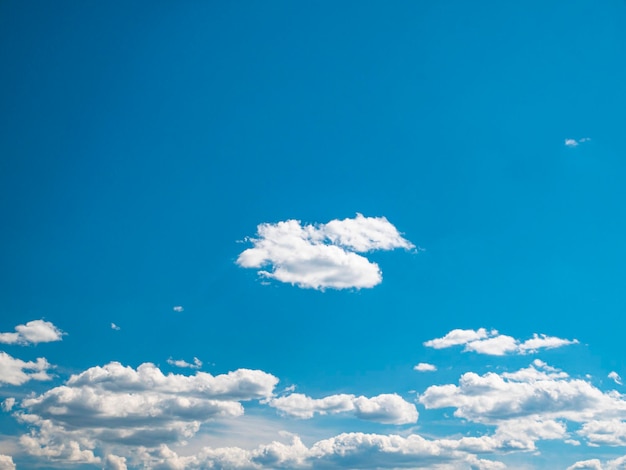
x: 533, y: 403
x: 324, y: 255
x: 493, y: 343
x: 142, y: 407
x: 6, y: 462
x: 33, y: 332
x: 609, y: 432
x: 425, y: 367
x: 17, y: 372
x: 385, y: 408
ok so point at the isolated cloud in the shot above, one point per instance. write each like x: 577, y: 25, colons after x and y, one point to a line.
x: 322, y: 256
x: 115, y: 327
x: 16, y: 372
x: 178, y: 308
x: 575, y: 143
x: 33, y: 332
x: 197, y: 363
x: 425, y: 367
x: 614, y: 376
x: 385, y: 408
x: 8, y: 403
x: 492, y: 343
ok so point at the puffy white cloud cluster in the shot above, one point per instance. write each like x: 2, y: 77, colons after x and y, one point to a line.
x: 384, y: 408
x: 493, y: 343
x: 33, y: 332
x: 17, y: 372
x: 143, y: 407
x: 324, y: 255
x: 538, y: 398
x: 425, y: 367
x: 347, y: 450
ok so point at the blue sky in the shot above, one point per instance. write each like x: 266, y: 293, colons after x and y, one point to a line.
x: 394, y: 232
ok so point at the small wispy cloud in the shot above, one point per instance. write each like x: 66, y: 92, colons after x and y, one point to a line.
x: 576, y: 142
x: 33, y: 332
x: 614, y: 376
x: 178, y: 308
x: 115, y: 327
x: 7, y: 405
x: 197, y: 363
x: 425, y: 367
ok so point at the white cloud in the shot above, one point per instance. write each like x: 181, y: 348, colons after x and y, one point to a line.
x: 301, y: 406
x: 16, y: 372
x: 595, y: 464
x: 388, y: 408
x: 609, y: 432
x: 141, y: 407
x: 115, y: 327
x: 197, y: 363
x: 322, y: 256
x: 614, y: 376
x: 457, y: 337
x: 178, y: 308
x: 6, y: 462
x: 529, y: 393
x: 114, y: 462
x: 33, y: 332
x: 425, y: 367
x: 8, y: 403
x: 492, y: 343
x: 575, y: 143
x: 351, y: 450
x: 385, y: 408
x: 497, y: 346
x: 543, y: 342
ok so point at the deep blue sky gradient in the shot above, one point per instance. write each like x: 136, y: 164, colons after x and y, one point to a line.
x: 140, y: 141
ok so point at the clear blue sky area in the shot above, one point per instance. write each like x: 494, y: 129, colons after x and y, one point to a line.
x: 145, y: 146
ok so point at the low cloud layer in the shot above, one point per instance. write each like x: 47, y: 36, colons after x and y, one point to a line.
x: 325, y: 255
x: 33, y: 332
x: 143, y: 407
x: 495, y: 344
x: 119, y: 417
